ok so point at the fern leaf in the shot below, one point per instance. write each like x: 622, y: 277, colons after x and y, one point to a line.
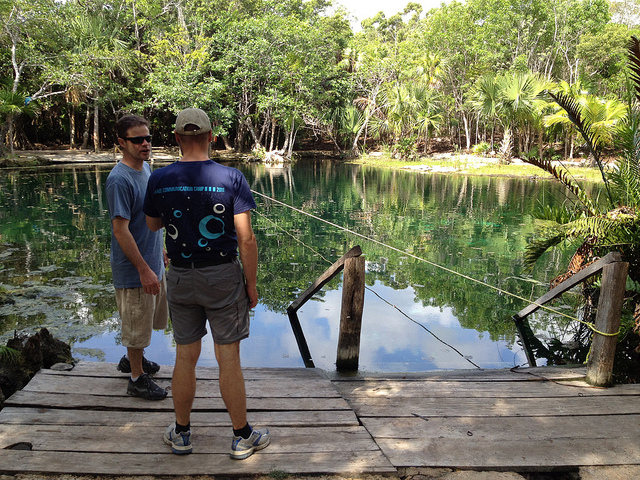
x: 634, y: 63
x: 564, y: 177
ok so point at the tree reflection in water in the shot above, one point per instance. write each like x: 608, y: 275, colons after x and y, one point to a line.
x: 55, y: 267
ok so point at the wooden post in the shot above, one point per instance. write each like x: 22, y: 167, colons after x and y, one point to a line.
x: 603, y: 347
x: 351, y: 315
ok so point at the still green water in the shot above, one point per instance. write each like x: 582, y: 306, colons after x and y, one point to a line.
x: 418, y: 315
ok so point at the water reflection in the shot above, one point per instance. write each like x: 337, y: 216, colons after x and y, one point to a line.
x: 54, y: 246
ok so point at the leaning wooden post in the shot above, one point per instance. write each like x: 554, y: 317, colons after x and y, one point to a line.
x: 603, y: 347
x: 351, y: 315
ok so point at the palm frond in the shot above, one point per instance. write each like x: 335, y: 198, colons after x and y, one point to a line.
x: 634, y: 64
x: 564, y: 177
x: 535, y: 248
x: 573, y: 109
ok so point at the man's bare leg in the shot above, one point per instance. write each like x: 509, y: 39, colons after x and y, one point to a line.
x: 135, y: 359
x: 183, y: 383
x: 232, y: 383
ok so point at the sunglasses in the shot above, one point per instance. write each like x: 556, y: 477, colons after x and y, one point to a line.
x: 138, y: 140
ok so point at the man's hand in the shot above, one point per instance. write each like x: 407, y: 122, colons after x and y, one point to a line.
x: 149, y: 281
x: 253, y: 296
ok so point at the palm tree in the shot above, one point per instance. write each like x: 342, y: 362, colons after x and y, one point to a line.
x: 615, y: 225
x: 516, y: 101
x: 486, y: 99
x: 13, y: 104
x: 603, y: 116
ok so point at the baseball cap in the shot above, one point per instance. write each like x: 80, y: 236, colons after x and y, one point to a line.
x: 192, y: 116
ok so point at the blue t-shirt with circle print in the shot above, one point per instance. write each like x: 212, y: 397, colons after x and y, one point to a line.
x: 197, y: 202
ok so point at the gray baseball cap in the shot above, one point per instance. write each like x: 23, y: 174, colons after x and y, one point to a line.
x: 197, y: 119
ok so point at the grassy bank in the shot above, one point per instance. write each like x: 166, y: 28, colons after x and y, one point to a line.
x: 465, y: 164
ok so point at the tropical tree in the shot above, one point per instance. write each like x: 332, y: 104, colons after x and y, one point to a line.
x: 29, y: 32
x: 516, y: 101
x: 599, y: 227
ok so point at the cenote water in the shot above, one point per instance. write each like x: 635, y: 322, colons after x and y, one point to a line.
x: 54, y: 270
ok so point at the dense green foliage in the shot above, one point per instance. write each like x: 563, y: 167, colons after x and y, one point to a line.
x: 273, y: 73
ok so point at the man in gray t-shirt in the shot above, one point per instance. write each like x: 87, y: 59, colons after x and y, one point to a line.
x: 137, y: 260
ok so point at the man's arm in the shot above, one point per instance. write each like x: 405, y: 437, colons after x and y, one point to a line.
x: 127, y: 243
x: 248, y: 248
x: 154, y: 223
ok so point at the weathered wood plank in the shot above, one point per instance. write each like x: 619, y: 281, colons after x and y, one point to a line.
x: 590, y: 428
x: 492, y: 407
x: 144, y: 440
x: 261, y: 463
x: 535, y: 374
x: 110, y: 386
x: 106, y: 369
x: 518, y: 453
x: 83, y: 401
x: 54, y: 416
x: 443, y: 389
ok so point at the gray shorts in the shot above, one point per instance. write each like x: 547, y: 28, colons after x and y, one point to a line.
x: 216, y: 294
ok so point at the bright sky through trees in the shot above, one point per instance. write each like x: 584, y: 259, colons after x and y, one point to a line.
x: 362, y: 9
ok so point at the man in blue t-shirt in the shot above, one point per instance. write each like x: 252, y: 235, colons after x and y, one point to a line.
x: 205, y: 209
x: 137, y: 260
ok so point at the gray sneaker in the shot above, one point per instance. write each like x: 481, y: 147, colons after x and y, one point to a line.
x: 146, y: 388
x: 242, y: 448
x: 180, y: 442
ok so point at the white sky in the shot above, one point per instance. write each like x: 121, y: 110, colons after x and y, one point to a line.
x: 362, y: 9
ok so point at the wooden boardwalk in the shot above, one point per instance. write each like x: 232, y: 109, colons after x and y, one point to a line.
x: 80, y: 422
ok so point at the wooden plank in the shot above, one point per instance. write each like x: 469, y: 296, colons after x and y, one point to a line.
x: 261, y: 463
x: 443, y: 389
x: 491, y: 407
x: 518, y: 454
x: 145, y: 440
x: 116, y: 387
x: 83, y: 401
x: 536, y: 374
x: 491, y: 429
x: 54, y: 416
x: 106, y: 369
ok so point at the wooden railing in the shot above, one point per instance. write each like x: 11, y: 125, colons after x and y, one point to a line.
x: 607, y: 323
x: 348, y: 353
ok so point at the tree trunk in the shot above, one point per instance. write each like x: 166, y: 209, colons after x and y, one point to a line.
x: 540, y: 144
x: 72, y: 126
x: 252, y: 131
x: 10, y: 132
x: 227, y: 143
x: 273, y: 135
x: 85, y: 134
x: 96, y: 128
x: 466, y: 130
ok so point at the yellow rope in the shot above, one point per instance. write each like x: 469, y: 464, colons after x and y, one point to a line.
x: 588, y: 324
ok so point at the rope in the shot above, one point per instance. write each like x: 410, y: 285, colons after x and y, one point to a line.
x: 373, y: 240
x: 374, y: 292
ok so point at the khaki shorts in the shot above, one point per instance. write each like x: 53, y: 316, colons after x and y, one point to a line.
x: 141, y: 313
x: 214, y: 294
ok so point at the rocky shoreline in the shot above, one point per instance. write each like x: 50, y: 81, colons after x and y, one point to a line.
x: 25, y: 355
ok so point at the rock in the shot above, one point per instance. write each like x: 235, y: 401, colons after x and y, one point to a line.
x: 35, y: 352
